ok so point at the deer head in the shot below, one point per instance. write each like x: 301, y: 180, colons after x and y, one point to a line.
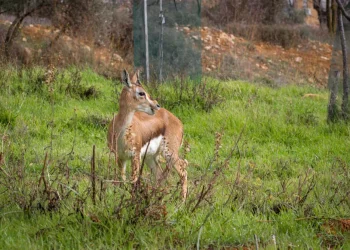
x: 134, y: 97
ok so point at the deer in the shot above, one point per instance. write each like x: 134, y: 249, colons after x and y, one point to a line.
x: 143, y: 130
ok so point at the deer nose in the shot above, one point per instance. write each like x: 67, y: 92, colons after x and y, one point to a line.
x: 158, y: 106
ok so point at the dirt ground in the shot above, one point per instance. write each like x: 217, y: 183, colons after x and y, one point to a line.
x: 309, y: 62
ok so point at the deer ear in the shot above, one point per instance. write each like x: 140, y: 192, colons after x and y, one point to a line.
x: 138, y: 81
x: 126, y: 79
x: 134, y: 78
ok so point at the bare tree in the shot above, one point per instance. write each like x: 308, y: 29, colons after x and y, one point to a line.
x: 20, y: 9
x: 345, y: 100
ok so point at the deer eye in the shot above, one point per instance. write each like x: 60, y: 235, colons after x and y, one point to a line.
x: 142, y: 94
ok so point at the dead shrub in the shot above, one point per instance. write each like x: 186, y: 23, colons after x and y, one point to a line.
x: 283, y: 35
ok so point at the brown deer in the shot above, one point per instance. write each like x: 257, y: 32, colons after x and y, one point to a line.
x: 142, y: 126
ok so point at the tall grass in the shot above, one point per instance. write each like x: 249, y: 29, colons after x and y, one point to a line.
x: 264, y: 167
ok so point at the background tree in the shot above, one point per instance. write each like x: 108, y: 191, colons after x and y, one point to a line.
x: 20, y: 9
x: 341, y: 11
x: 331, y: 10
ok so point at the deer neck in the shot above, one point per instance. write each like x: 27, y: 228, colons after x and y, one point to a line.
x: 125, y: 114
x: 124, y: 120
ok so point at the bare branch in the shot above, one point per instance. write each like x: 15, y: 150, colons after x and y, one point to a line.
x: 341, y: 6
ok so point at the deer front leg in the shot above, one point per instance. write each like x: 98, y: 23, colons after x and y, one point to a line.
x: 122, y: 167
x: 135, y: 164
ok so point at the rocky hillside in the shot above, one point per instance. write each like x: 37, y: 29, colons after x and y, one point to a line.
x: 224, y: 55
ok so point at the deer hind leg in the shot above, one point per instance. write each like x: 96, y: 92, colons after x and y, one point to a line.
x: 152, y: 162
x: 173, y: 160
x: 180, y: 166
x: 135, y: 165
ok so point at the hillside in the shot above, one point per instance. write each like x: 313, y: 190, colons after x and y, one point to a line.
x: 223, y: 54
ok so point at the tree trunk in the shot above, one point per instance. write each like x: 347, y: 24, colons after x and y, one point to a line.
x: 333, y: 112
x: 345, y: 103
x: 329, y: 16
x: 334, y: 16
x: 11, y: 34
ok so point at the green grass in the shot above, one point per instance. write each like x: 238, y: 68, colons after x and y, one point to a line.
x: 289, y: 178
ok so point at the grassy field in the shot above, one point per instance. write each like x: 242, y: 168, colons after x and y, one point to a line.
x: 265, y: 167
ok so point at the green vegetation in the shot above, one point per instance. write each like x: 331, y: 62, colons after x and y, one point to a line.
x: 263, y: 165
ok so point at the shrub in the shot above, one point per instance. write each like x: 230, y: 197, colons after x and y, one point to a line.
x: 6, y: 118
x: 180, y: 92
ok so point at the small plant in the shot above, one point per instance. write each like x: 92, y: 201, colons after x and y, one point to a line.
x: 308, y: 118
x: 76, y: 89
x: 6, y: 118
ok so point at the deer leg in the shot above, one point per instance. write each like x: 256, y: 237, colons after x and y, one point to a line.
x: 173, y: 160
x: 180, y: 166
x: 122, y: 168
x: 135, y: 164
x: 152, y: 163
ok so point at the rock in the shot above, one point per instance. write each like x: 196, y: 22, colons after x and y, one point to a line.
x: 67, y: 38
x: 264, y: 67
x: 186, y: 29
x: 24, y: 39
x: 213, y: 66
x: 224, y: 36
x: 298, y: 59
x: 87, y: 48
x: 117, y: 57
x: 195, y: 38
x: 207, y: 47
